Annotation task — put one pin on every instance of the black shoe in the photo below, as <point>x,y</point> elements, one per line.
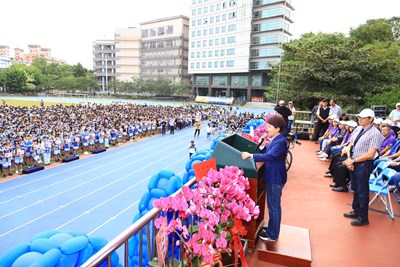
<point>359,222</point>
<point>333,185</point>
<point>339,189</point>
<point>350,214</point>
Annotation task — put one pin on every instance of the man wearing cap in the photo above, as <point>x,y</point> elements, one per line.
<point>363,148</point>
<point>284,111</point>
<point>394,116</point>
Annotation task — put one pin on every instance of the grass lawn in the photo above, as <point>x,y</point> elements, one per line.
<point>31,103</point>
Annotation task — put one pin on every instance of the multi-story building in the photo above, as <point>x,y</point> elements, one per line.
<point>233,44</point>
<point>164,49</point>
<point>104,62</point>
<point>127,53</point>
<point>5,58</point>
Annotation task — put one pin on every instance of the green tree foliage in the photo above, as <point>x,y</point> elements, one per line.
<point>20,78</point>
<point>349,69</point>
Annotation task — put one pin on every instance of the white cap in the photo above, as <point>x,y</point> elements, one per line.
<point>378,121</point>
<point>343,122</point>
<point>352,124</point>
<point>336,119</point>
<point>290,102</point>
<point>281,102</point>
<point>332,117</point>
<point>365,113</point>
<point>388,122</point>
<point>398,104</point>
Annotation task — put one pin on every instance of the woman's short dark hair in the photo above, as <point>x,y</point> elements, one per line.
<point>278,122</point>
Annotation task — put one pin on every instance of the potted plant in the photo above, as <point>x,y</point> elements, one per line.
<point>206,219</point>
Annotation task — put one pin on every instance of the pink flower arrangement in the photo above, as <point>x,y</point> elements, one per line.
<point>204,214</point>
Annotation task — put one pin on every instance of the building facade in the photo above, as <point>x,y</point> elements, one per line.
<point>5,58</point>
<point>233,43</point>
<point>127,53</point>
<point>164,49</point>
<point>104,62</point>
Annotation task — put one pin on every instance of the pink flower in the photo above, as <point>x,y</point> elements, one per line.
<point>221,241</point>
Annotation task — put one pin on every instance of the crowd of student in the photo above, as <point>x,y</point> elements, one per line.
<point>40,135</point>
<point>333,133</point>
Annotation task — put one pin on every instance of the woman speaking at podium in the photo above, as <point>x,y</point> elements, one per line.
<point>275,174</point>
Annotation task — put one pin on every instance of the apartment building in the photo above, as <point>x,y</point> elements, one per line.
<point>5,58</point>
<point>127,53</point>
<point>164,49</point>
<point>104,62</point>
<point>233,43</point>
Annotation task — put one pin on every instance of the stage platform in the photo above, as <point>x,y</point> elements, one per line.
<point>293,248</point>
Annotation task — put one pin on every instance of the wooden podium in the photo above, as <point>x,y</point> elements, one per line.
<point>257,194</point>
<point>228,151</point>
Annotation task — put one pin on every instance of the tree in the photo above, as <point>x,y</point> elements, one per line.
<point>374,30</point>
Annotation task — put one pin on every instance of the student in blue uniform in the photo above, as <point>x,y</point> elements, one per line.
<point>192,148</point>
<point>18,158</point>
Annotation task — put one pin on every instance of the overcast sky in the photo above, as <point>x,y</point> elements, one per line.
<point>68,28</point>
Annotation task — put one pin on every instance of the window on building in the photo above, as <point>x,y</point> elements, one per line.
<point>232,15</point>
<point>204,43</point>
<point>239,80</point>
<point>205,32</point>
<point>218,6</point>
<point>210,42</point>
<point>193,2</point>
<point>216,53</point>
<point>230,63</point>
<point>217,18</point>
<point>231,40</point>
<point>217,30</point>
<point>198,32</point>
<point>194,22</point>
<point>256,79</point>
<point>202,80</point>
<point>145,33</point>
<point>160,31</point>
<point>204,54</point>
<point>205,10</point>
<point>231,27</point>
<point>210,64</point>
<point>198,65</point>
<point>170,29</point>
<point>209,53</point>
<point>198,54</point>
<point>203,65</point>
<point>153,32</point>
<point>198,22</point>
<point>205,20</point>
<point>216,41</point>
<point>222,41</point>
<point>193,45</point>
<point>221,64</point>
<point>198,43</point>
<point>192,55</point>
<point>218,80</point>
<point>223,17</point>
<point>232,3</point>
<point>212,8</point>
<point>230,51</point>
<point>211,31</point>
<point>224,5</point>
<point>193,34</point>
<point>223,28</point>
<point>215,64</point>
<point>199,11</point>
<point>211,19</point>
<point>193,12</point>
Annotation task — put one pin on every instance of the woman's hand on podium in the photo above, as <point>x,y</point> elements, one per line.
<point>246,155</point>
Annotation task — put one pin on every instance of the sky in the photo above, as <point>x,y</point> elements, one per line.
<point>69,28</point>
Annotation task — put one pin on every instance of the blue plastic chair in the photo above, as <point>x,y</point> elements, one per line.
<point>381,190</point>
<point>376,174</point>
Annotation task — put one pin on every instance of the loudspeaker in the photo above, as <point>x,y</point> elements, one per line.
<point>32,169</point>
<point>65,160</point>
<point>98,150</point>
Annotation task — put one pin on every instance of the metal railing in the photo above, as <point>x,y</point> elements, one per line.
<point>123,239</point>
